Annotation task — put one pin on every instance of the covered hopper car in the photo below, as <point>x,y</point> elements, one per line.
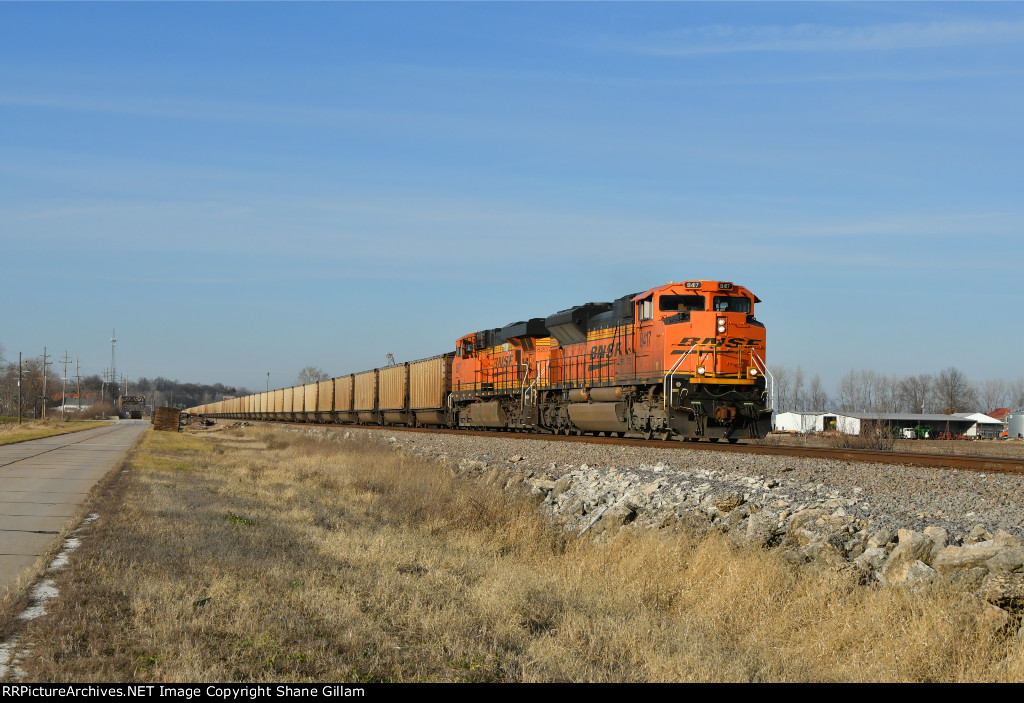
<point>683,359</point>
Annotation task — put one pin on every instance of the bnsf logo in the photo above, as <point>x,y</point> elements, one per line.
<point>601,351</point>
<point>730,342</point>
<point>504,361</point>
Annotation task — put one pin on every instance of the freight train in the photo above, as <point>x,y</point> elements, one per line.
<point>680,360</point>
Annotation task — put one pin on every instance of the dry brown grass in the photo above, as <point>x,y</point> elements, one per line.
<point>958,447</point>
<point>872,435</point>
<point>258,555</point>
<point>37,429</point>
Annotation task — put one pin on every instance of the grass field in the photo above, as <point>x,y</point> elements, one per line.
<point>262,556</point>
<point>11,431</point>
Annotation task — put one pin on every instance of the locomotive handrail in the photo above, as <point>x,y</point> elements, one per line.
<point>536,380</point>
<point>771,380</point>
<point>669,378</point>
<point>522,386</point>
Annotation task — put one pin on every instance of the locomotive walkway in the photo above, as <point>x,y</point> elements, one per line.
<point>43,484</point>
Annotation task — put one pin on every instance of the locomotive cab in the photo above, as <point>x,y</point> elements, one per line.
<point>712,358</point>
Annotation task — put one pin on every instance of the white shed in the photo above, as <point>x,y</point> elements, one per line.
<point>797,422</point>
<point>984,426</point>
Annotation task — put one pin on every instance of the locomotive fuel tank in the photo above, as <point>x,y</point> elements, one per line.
<point>599,417</point>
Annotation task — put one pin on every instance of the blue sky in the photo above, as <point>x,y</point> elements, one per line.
<point>244,188</point>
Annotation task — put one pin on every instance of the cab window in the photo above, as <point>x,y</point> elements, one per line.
<point>728,303</point>
<point>681,303</point>
<point>645,309</point>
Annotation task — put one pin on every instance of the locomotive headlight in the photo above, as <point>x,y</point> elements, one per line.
<point>753,372</point>
<point>721,325</point>
<point>701,370</point>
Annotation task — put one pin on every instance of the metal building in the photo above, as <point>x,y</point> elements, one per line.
<point>985,427</point>
<point>1015,423</point>
<point>797,422</point>
<point>930,425</point>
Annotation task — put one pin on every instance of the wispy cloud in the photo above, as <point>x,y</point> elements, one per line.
<point>389,234</point>
<point>725,39</point>
<point>192,109</point>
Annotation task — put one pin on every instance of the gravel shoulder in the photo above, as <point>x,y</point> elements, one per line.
<point>883,496</point>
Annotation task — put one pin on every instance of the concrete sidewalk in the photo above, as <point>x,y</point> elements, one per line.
<point>43,484</point>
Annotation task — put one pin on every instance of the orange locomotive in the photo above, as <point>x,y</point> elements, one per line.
<point>682,359</point>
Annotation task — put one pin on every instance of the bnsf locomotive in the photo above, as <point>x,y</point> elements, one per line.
<point>683,359</point>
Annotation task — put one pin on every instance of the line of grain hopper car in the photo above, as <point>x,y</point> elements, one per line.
<point>683,359</point>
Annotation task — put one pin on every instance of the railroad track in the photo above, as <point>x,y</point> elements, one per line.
<point>985,464</point>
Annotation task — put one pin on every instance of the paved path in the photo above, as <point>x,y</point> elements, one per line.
<point>43,484</point>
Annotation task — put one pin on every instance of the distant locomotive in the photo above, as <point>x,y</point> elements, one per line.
<point>683,359</point>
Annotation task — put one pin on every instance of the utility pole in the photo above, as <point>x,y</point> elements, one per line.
<point>64,388</point>
<point>78,387</point>
<point>103,395</point>
<point>19,388</point>
<point>113,366</point>
<point>268,381</point>
<point>45,363</point>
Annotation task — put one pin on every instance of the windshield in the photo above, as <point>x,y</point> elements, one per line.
<point>681,303</point>
<point>732,303</point>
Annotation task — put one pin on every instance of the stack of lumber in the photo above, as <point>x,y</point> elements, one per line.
<point>166,419</point>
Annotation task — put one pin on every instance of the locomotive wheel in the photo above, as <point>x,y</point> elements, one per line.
<point>665,436</point>
<point>712,439</point>
<point>620,434</point>
<point>648,434</point>
<point>734,440</point>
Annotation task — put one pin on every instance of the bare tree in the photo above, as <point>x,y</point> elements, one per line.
<point>848,392</point>
<point>781,385</point>
<point>817,398</point>
<point>992,393</point>
<point>857,391</point>
<point>915,393</point>
<point>312,374</point>
<point>885,396</point>
<point>1016,394</point>
<point>31,386</point>
<point>954,392</point>
<point>8,389</point>
<point>799,400</point>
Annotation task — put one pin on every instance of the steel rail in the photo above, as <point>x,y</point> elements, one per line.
<point>986,464</point>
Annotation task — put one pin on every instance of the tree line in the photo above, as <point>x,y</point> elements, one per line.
<point>95,390</point>
<point>866,391</point>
